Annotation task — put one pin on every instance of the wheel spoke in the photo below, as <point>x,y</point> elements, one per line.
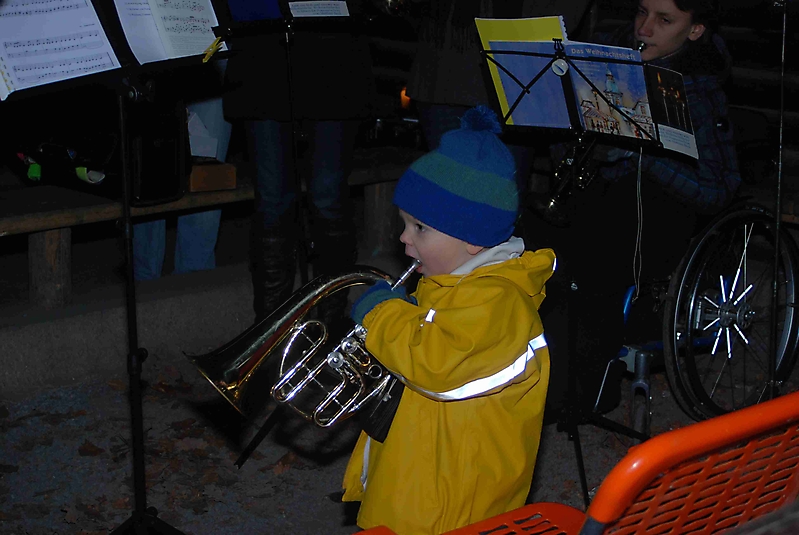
<point>729,343</point>
<point>732,379</point>
<point>716,342</point>
<point>721,372</point>
<point>743,294</point>
<point>740,333</point>
<point>762,392</point>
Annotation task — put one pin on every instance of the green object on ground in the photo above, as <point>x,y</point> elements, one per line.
<point>35,172</point>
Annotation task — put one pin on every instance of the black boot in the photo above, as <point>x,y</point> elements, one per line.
<point>333,251</point>
<point>273,262</point>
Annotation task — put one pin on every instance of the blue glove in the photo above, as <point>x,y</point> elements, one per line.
<point>372,297</point>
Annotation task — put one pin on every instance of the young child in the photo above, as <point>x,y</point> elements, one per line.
<point>470,348</point>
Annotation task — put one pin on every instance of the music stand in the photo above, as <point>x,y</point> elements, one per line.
<point>574,413</point>
<point>143,519</point>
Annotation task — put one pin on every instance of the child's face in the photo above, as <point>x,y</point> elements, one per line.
<point>663,27</point>
<point>439,252</point>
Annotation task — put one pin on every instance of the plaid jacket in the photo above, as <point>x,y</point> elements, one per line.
<point>710,183</point>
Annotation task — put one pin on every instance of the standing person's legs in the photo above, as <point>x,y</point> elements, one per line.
<point>332,146</point>
<point>273,237</point>
<point>197,232</point>
<point>196,240</point>
<point>149,245</point>
<point>332,227</point>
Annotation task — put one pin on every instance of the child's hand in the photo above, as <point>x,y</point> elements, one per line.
<point>375,295</point>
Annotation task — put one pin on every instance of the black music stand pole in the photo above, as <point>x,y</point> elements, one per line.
<point>574,413</point>
<point>143,520</point>
<point>302,227</point>
<point>772,361</point>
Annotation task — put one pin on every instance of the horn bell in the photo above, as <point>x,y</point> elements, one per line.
<point>232,368</point>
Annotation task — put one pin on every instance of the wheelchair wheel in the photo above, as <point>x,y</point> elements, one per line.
<point>718,316</point>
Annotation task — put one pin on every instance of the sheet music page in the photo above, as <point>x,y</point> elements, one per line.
<point>670,111</point>
<point>45,41</point>
<point>622,84</point>
<point>184,25</point>
<point>518,71</point>
<point>317,8</point>
<point>140,30</point>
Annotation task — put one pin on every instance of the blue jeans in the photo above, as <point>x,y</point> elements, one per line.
<point>196,233</point>
<point>438,119</point>
<point>330,157</point>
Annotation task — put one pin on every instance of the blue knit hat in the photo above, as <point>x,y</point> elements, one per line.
<point>466,187</point>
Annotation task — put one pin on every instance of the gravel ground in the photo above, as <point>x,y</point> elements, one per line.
<point>65,460</point>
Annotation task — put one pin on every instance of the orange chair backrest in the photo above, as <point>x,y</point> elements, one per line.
<point>706,477</point>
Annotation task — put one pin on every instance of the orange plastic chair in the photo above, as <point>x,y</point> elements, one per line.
<point>534,519</point>
<point>704,478</point>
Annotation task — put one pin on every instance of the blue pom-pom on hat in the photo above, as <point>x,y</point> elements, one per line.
<point>481,118</point>
<point>466,187</point>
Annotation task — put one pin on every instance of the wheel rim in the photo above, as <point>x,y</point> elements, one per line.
<point>726,317</point>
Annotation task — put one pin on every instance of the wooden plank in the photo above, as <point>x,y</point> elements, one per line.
<point>196,200</point>
<point>49,267</point>
<point>33,209</point>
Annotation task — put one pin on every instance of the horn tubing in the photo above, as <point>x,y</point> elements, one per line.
<point>230,367</point>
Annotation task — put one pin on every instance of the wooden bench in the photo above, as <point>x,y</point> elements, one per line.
<point>48,213</point>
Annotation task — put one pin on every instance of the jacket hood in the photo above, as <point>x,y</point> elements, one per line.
<point>526,269</point>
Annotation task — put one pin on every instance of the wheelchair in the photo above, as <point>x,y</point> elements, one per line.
<point>720,324</point>
<point>719,329</point>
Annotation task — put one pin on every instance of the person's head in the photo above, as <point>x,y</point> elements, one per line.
<point>664,26</point>
<point>459,198</point>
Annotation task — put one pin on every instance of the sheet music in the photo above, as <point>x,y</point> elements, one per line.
<point>140,30</point>
<point>319,8</point>
<point>184,25</point>
<point>44,41</point>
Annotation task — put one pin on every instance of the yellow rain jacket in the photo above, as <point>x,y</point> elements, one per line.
<point>463,443</point>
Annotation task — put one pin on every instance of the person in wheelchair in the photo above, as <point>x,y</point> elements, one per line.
<point>622,234</point>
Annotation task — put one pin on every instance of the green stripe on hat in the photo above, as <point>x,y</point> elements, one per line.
<point>473,184</point>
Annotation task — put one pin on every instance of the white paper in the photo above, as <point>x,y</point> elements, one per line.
<point>200,140</point>
<point>678,140</point>
<point>184,25</point>
<point>48,41</point>
<point>140,30</point>
<point>319,9</point>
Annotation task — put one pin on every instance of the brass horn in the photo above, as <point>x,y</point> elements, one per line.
<point>575,171</point>
<point>345,377</point>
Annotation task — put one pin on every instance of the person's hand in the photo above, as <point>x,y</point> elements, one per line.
<point>375,295</point>
<point>609,153</point>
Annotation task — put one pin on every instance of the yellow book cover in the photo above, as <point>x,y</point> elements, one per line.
<point>506,31</point>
